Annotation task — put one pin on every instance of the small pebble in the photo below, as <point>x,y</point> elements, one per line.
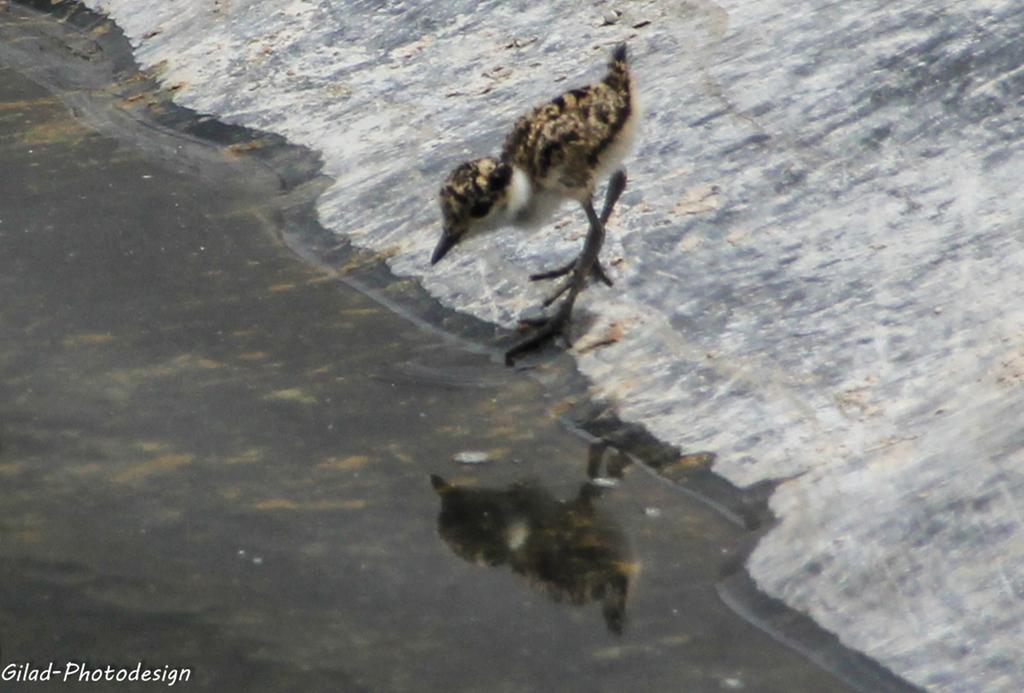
<point>472,457</point>
<point>652,512</point>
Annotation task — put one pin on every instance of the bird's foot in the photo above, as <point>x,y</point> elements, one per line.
<point>545,328</point>
<point>597,270</point>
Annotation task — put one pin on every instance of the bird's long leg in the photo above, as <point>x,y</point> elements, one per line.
<point>554,325</point>
<point>616,184</point>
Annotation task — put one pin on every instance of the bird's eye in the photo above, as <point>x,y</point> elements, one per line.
<point>500,176</point>
<point>479,209</point>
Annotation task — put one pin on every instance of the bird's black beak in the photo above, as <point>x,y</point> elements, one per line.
<point>443,246</point>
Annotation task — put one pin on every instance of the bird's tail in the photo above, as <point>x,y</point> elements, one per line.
<point>618,69</point>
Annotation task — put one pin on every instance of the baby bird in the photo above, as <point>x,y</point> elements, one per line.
<point>557,152</point>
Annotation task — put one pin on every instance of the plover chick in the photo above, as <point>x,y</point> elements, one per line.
<point>555,153</point>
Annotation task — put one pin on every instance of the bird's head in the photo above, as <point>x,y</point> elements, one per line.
<point>477,196</point>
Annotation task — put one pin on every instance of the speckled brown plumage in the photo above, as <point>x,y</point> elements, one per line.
<point>561,144</point>
<point>472,189</point>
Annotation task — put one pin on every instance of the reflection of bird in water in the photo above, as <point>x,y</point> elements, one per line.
<point>557,152</point>
<point>563,548</point>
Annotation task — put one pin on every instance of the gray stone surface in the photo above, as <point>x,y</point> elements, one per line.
<point>819,251</point>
